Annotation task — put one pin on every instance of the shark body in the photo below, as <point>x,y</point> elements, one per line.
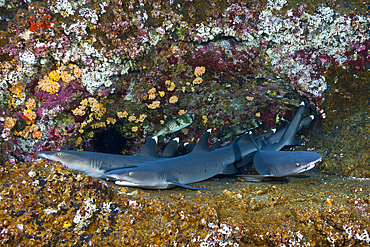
<point>204,162</point>
<point>270,162</point>
<point>150,170</point>
<point>96,164</point>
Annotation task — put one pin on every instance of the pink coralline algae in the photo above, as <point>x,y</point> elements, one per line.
<point>259,60</point>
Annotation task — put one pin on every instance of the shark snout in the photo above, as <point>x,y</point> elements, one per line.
<point>43,156</point>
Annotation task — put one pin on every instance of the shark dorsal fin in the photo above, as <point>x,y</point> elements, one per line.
<point>202,144</point>
<point>189,147</point>
<point>306,121</point>
<point>217,144</point>
<point>149,149</point>
<point>245,139</point>
<point>253,140</point>
<point>171,150</point>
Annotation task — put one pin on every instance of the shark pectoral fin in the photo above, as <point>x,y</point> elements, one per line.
<point>245,161</point>
<point>306,122</point>
<point>184,185</point>
<point>245,139</point>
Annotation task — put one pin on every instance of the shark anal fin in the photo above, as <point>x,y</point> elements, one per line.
<point>184,185</point>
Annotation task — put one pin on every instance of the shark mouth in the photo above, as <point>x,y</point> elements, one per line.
<point>125,183</point>
<point>311,165</point>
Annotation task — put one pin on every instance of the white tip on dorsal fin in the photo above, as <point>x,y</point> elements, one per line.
<point>273,130</point>
<point>209,130</point>
<point>202,144</point>
<point>302,103</point>
<point>312,117</point>
<point>186,143</point>
<point>155,139</point>
<point>177,139</point>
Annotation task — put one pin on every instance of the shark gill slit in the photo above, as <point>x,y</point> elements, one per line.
<point>163,176</point>
<point>96,163</point>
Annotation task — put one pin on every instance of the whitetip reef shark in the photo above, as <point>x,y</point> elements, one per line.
<point>201,163</point>
<point>280,163</point>
<point>96,164</point>
<point>270,162</point>
<point>150,170</point>
<point>204,162</point>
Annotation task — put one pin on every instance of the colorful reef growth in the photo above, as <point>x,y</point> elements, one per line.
<point>93,67</point>
<point>85,74</point>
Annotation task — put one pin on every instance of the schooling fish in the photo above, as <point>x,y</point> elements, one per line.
<point>175,124</point>
<point>96,164</point>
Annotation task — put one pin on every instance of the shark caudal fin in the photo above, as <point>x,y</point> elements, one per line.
<point>149,149</point>
<point>202,144</point>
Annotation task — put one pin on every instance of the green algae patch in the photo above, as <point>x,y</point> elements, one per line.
<point>46,204</point>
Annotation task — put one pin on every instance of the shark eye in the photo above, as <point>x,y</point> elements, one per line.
<point>297,164</point>
<point>59,154</point>
<point>131,174</point>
